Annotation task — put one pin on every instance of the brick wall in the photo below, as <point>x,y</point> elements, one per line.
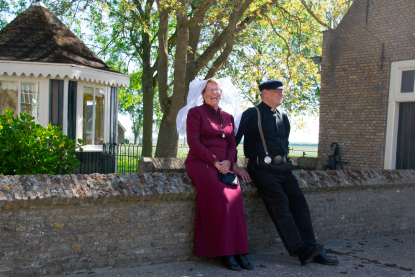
<point>51,224</point>
<point>355,78</point>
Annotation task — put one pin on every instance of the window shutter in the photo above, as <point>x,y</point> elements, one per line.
<point>56,102</point>
<point>113,115</point>
<point>72,93</point>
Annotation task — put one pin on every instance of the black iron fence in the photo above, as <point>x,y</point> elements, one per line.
<point>298,151</point>
<point>123,158</point>
<point>127,157</point>
<point>114,158</point>
<point>90,163</point>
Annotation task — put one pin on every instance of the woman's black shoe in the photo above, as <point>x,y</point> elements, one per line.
<point>243,262</point>
<point>229,262</point>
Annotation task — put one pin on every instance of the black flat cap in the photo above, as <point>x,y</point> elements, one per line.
<point>271,84</point>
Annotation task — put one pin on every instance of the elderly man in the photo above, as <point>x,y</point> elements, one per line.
<point>266,131</point>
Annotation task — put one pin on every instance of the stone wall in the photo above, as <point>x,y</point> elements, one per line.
<point>51,224</point>
<point>355,72</point>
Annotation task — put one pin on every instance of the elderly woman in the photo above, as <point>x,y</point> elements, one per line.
<point>220,227</point>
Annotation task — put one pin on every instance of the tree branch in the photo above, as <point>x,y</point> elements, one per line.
<point>134,41</point>
<point>137,4</point>
<point>180,61</point>
<point>221,59</point>
<point>228,34</point>
<point>194,39</point>
<point>223,38</point>
<point>286,44</point>
<point>162,62</point>
<point>149,4</point>
<point>314,15</point>
<point>172,40</point>
<point>200,13</point>
<point>249,19</point>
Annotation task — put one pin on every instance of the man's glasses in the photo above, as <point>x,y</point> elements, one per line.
<point>214,89</point>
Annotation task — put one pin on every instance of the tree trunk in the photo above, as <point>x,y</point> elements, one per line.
<point>194,37</point>
<point>168,138</point>
<point>185,73</point>
<point>148,99</point>
<point>136,129</point>
<point>163,58</point>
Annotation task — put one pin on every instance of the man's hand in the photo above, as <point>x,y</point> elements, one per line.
<point>224,166</point>
<point>242,172</point>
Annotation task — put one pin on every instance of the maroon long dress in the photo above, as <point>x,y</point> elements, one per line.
<point>220,227</point>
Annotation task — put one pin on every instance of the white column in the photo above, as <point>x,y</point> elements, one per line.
<point>43,101</point>
<point>79,110</point>
<point>65,106</point>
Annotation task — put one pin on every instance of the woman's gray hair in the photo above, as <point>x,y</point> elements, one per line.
<point>212,80</point>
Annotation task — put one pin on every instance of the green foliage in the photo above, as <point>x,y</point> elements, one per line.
<point>276,44</point>
<point>29,148</point>
<point>4,9</point>
<point>279,45</point>
<point>126,140</point>
<point>131,105</point>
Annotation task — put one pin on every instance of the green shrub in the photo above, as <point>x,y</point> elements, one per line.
<point>29,148</point>
<point>126,140</point>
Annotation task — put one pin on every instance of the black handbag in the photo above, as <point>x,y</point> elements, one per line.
<point>228,178</point>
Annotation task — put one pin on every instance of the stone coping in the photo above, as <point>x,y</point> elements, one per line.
<point>146,164</point>
<point>40,190</point>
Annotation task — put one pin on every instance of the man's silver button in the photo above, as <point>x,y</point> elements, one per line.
<point>267,159</point>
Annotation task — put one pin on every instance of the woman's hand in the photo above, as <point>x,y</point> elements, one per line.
<point>242,172</point>
<point>225,165</point>
<point>217,164</point>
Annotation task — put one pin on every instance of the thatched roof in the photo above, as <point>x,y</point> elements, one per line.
<point>37,35</point>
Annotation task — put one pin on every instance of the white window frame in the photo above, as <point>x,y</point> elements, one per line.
<point>79,111</point>
<point>395,98</point>
<point>43,94</point>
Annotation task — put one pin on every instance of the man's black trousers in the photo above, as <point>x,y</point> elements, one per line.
<point>285,203</point>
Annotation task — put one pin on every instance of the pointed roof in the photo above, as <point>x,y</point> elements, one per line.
<point>37,35</point>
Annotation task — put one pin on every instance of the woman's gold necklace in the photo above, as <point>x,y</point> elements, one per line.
<point>220,124</point>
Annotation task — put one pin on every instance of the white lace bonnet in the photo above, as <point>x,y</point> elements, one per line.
<point>229,102</point>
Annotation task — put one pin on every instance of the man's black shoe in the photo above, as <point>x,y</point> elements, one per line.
<point>230,263</point>
<point>243,262</point>
<point>321,258</point>
<point>307,253</point>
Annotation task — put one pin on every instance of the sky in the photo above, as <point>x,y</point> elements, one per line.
<point>306,135</point>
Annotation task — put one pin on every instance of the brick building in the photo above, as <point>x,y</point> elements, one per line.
<point>367,100</point>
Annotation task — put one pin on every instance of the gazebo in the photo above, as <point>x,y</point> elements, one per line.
<point>48,72</point>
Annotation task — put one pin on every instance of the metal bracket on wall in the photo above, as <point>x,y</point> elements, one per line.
<point>382,57</point>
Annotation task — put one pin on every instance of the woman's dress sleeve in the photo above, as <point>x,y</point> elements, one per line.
<point>193,130</point>
<point>231,149</point>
